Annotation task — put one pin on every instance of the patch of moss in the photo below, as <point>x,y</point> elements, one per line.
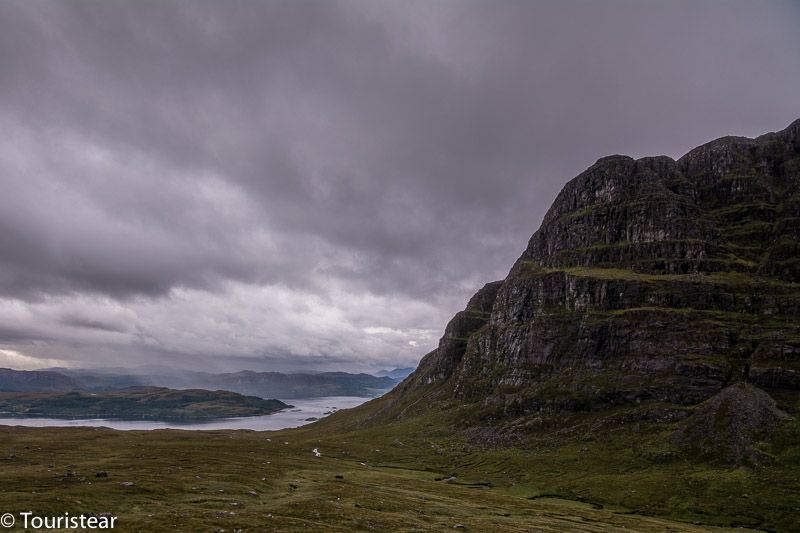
<point>722,278</point>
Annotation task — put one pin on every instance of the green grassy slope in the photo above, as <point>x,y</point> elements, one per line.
<point>248,481</point>
<point>580,472</point>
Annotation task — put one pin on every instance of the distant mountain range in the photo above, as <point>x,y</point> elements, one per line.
<point>278,385</point>
<point>396,373</point>
<point>35,381</point>
<point>261,384</point>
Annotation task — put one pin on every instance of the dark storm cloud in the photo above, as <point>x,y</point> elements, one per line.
<point>405,150</point>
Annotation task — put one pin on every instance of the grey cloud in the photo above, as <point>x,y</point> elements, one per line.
<point>88,323</point>
<point>17,336</point>
<point>398,149</point>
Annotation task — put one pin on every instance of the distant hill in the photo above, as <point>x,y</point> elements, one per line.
<point>396,373</point>
<point>287,386</point>
<point>262,384</point>
<point>35,381</point>
<point>150,403</point>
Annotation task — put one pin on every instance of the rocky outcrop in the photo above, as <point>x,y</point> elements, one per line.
<point>650,280</point>
<point>438,365</point>
<point>727,427</point>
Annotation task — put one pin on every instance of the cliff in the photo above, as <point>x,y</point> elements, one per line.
<point>651,282</point>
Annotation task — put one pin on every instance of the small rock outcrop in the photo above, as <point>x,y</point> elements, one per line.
<point>726,427</point>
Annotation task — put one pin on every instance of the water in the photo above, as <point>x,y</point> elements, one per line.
<point>296,416</point>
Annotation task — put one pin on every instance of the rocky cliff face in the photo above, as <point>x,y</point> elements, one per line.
<point>650,280</point>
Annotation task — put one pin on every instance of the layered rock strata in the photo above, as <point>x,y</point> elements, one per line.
<point>649,280</point>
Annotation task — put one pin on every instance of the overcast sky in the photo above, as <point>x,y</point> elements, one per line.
<point>321,185</point>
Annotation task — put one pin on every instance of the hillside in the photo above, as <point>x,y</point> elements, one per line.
<point>651,282</point>
<point>137,404</point>
<point>35,381</point>
<point>648,337</point>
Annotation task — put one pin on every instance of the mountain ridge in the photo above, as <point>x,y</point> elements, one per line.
<point>264,384</point>
<point>652,285</point>
<point>35,381</point>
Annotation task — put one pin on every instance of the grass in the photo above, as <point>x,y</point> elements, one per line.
<point>735,279</point>
<point>582,472</point>
<point>207,481</point>
<point>724,278</point>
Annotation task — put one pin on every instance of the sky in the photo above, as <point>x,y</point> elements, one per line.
<point>321,185</point>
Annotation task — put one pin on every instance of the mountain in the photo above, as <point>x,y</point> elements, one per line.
<point>262,384</point>
<point>148,403</point>
<point>288,386</point>
<point>652,283</point>
<point>104,379</point>
<point>643,351</point>
<point>35,381</point>
<point>395,373</point>
<point>654,290</point>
